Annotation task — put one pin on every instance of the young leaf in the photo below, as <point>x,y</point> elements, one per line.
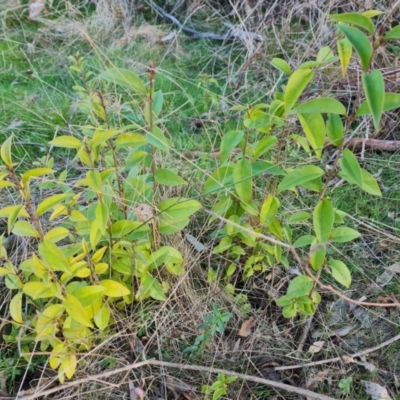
<point>229,141</point>
<point>282,65</point>
<point>372,13</point>
<point>125,78</point>
<point>300,286</point>
<point>394,33</point>
<point>295,87</point>
<point>320,105</point>
<point>345,51</point>
<point>24,228</point>
<point>166,176</point>
<point>391,101</point>
<point>343,234</point>
<point>334,129</point>
<point>374,88</point>
<point>242,175</point>
<point>5,151</point>
<point>350,169</point>
<point>300,176</point>
<point>50,202</point>
<point>16,308</point>
<point>114,289</point>
<point>67,142</point>
<point>356,19</point>
<point>360,42</point>
<point>269,209</point>
<point>314,128</point>
<point>323,218</point>
<point>340,272</point>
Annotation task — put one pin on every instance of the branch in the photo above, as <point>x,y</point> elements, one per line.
<point>164,364</point>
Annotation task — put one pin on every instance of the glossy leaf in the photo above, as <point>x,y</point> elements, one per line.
<point>340,272</point>
<point>50,202</point>
<point>356,19</point>
<point>320,105</point>
<point>125,78</point>
<point>391,101</point>
<point>314,129</point>
<point>394,33</point>
<point>15,308</point>
<point>300,286</point>
<point>114,289</point>
<point>298,81</point>
<point>374,88</point>
<point>24,228</point>
<point>168,177</point>
<point>345,50</point>
<point>323,218</point>
<point>67,142</point>
<point>5,151</point>
<point>242,175</point>
<point>300,176</point>
<point>360,42</point>
<point>334,129</point>
<point>282,65</point>
<point>343,234</point>
<point>228,143</point>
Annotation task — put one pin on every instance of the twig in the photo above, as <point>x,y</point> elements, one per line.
<point>336,359</point>
<point>164,364</point>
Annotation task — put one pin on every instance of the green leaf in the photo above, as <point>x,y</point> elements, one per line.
<point>320,105</point>
<point>304,240</point>
<point>356,19</point>
<point>350,169</point>
<point>299,216</point>
<point>323,218</point>
<point>150,287</point>
<point>125,78</point>
<point>345,50</point>
<point>369,184</point>
<point>158,100</point>
<point>229,141</point>
<point>360,42</point>
<point>76,311</point>
<point>102,217</point>
<point>374,88</point>
<point>372,13</point>
<point>67,142</point>
<point>5,151</point>
<point>317,255</point>
<point>334,129</point>
<point>242,175</point>
<point>163,255</point>
<point>15,308</point>
<point>102,318</point>
<point>35,173</point>
<point>13,217</point>
<point>158,140</point>
<point>391,101</point>
<point>269,209</point>
<point>50,202</point>
<point>53,256</point>
<point>325,54</point>
<point>101,136</point>
<point>340,272</point>
<point>300,176</point>
<point>87,295</point>
<point>114,289</point>
<point>37,290</point>
<point>56,234</point>
<point>24,228</point>
<point>166,176</point>
<point>265,167</point>
<point>300,286</point>
<point>264,145</point>
<point>122,228</point>
<point>130,139</point>
<point>314,128</point>
<point>93,178</point>
<point>394,33</point>
<point>282,65</point>
<point>295,87</point>
<point>289,311</point>
<point>343,234</point>
<point>220,179</point>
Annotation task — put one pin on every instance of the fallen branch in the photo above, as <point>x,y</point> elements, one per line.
<point>336,359</point>
<point>372,144</point>
<point>164,364</point>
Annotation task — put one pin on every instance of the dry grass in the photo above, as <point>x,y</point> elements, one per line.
<point>294,30</point>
